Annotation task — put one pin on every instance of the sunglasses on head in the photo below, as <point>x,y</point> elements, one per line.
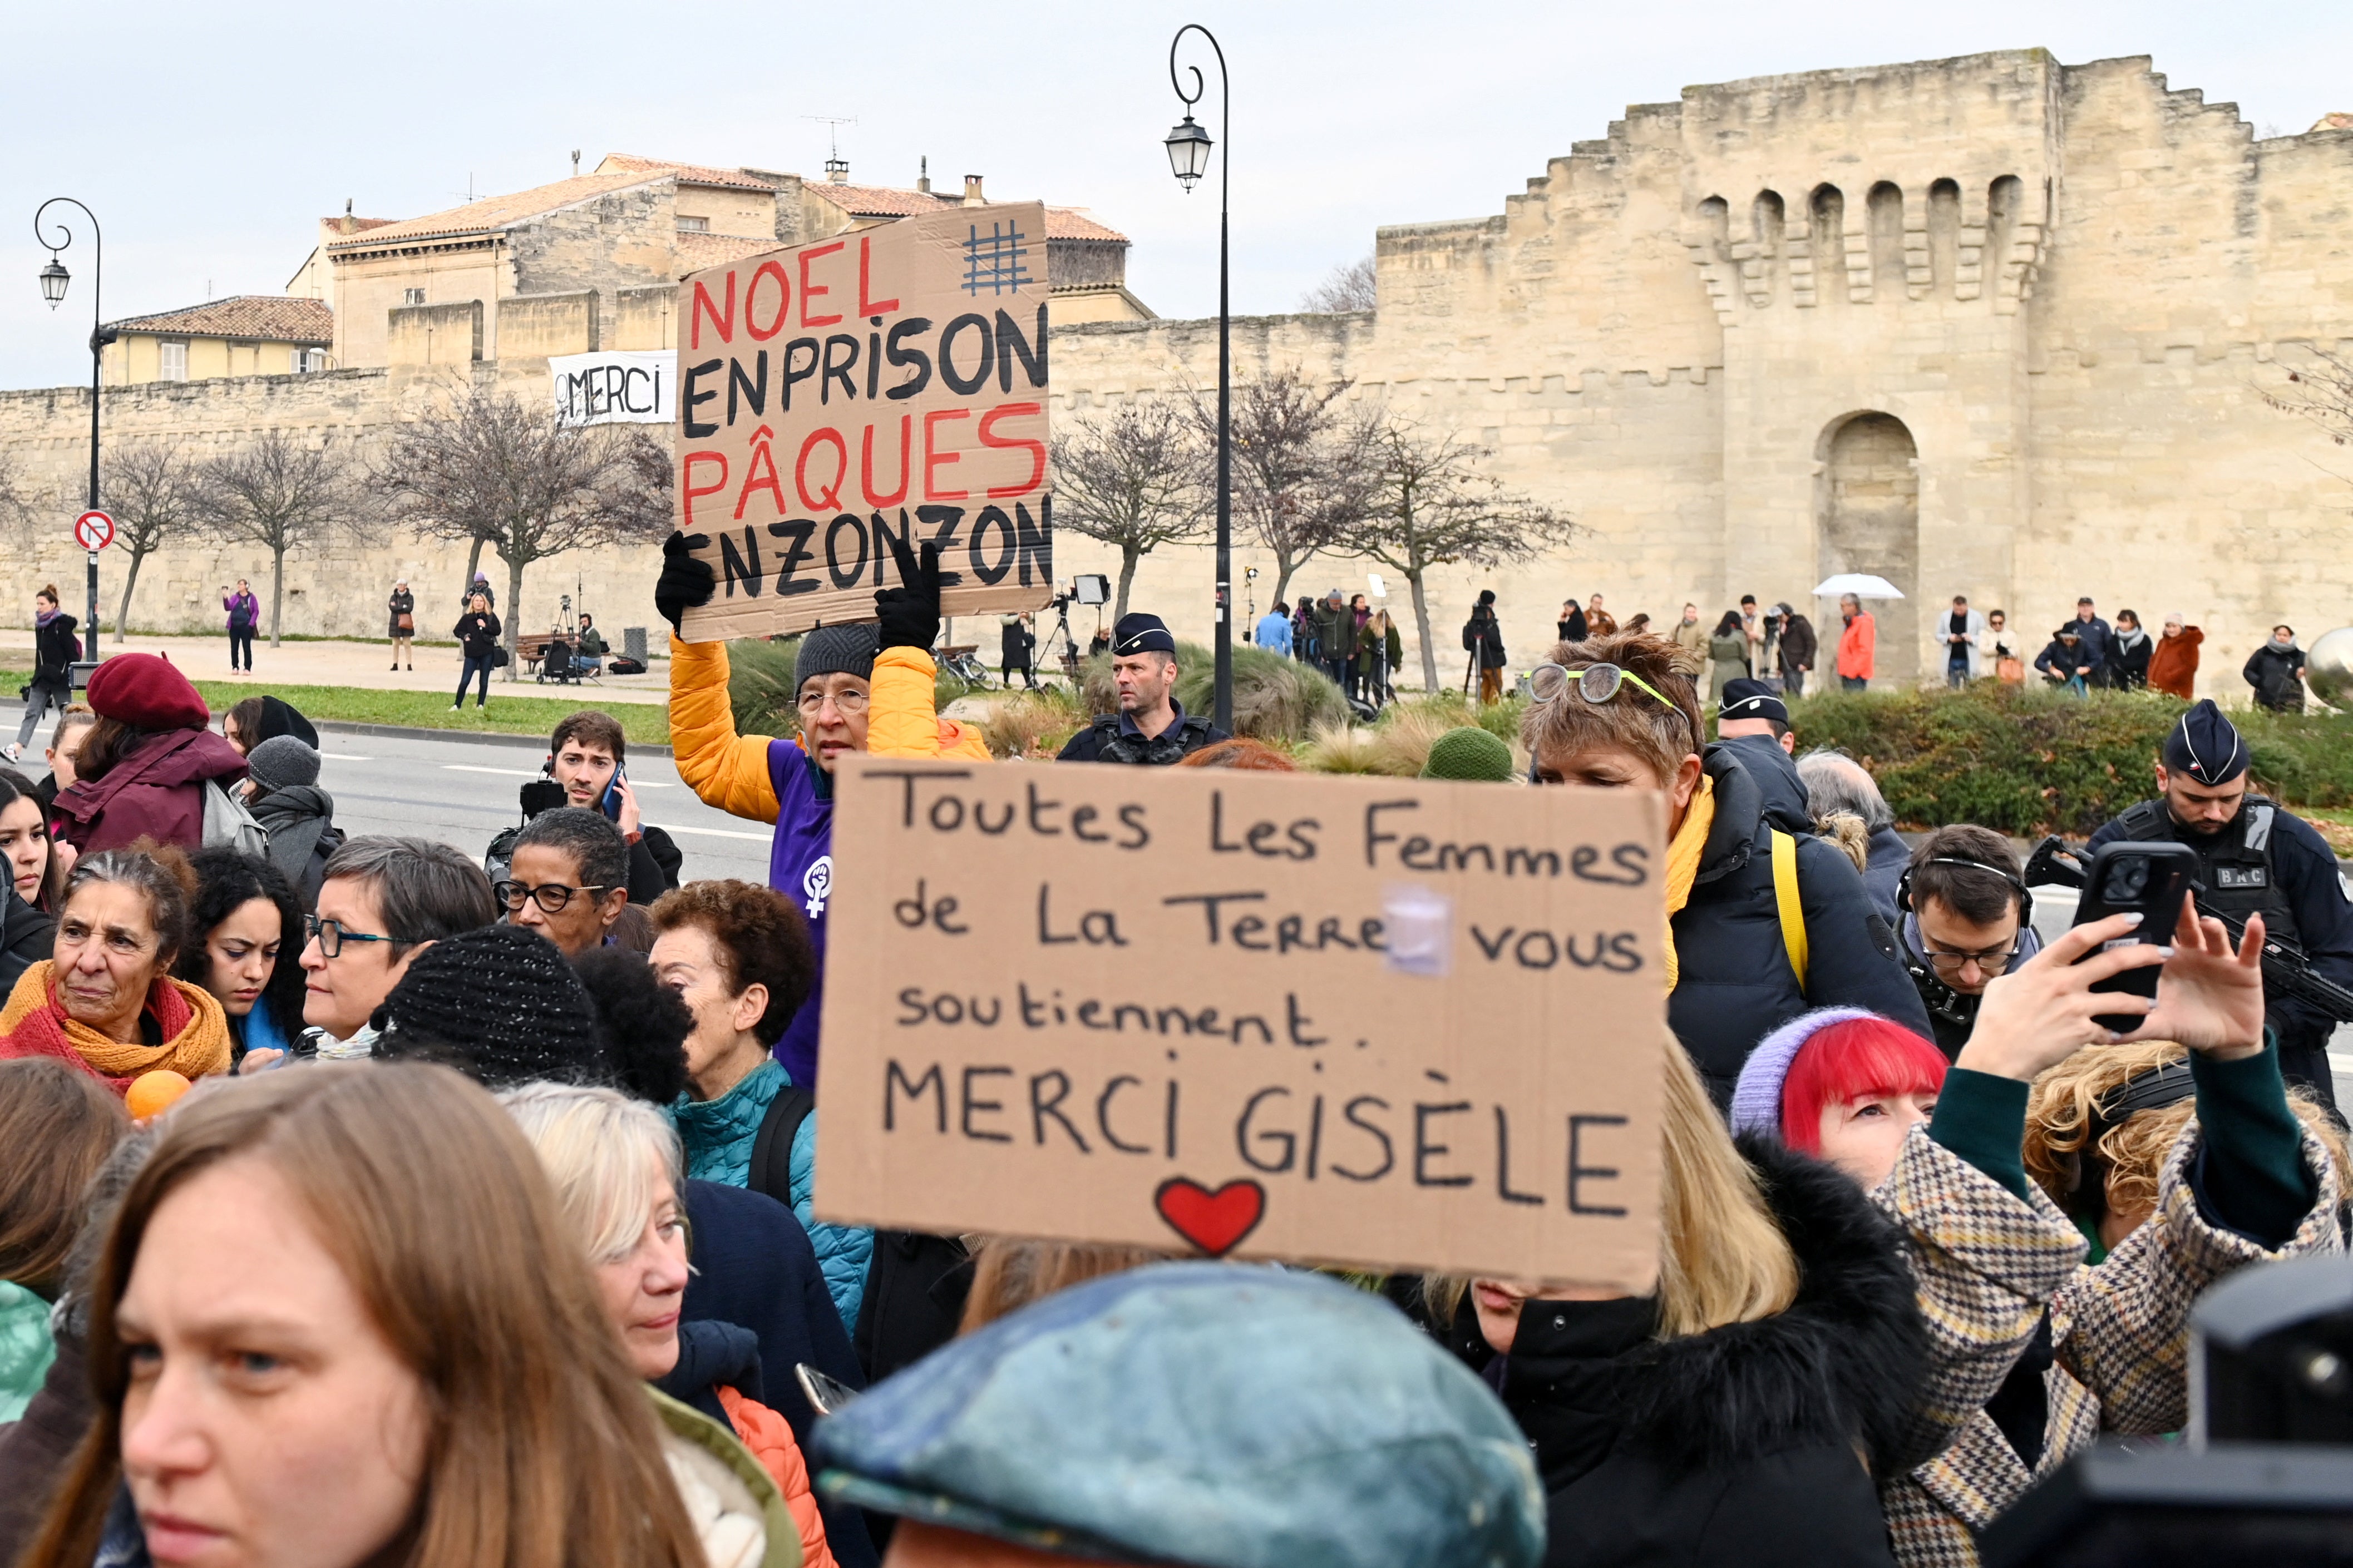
<point>1596,684</point>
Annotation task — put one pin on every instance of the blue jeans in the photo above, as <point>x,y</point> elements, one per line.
<point>1956,675</point>
<point>468,674</point>
<point>1854,682</point>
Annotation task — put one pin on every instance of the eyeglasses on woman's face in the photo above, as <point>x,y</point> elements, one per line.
<point>550,897</point>
<point>330,935</point>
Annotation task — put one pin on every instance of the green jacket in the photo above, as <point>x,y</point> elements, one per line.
<point>26,1347</point>
<point>1335,632</point>
<point>699,1447</point>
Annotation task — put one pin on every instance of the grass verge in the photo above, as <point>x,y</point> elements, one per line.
<point>646,723</point>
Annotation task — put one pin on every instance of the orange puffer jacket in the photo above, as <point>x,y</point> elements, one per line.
<point>769,1436</point>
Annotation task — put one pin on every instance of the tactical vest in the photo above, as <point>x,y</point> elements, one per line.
<point>1113,744</point>
<point>2234,865</point>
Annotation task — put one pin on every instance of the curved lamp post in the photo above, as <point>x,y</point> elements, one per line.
<point>1189,157</point>
<point>55,279</point>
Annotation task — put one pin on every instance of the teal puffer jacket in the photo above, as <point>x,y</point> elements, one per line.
<point>26,1347</point>
<point>718,1135</point>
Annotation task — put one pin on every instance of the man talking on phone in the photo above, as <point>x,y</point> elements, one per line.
<point>2255,857</point>
<point>587,758</point>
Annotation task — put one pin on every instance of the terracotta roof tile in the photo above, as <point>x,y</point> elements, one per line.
<point>877,201</point>
<point>270,317</point>
<point>694,252</point>
<point>493,213</point>
<point>688,173</point>
<point>359,225</point>
<point>1077,223</point>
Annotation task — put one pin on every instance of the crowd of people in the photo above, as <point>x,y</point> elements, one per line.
<point>485,1233</point>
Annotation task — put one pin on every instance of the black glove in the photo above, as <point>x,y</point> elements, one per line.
<point>910,613</point>
<point>684,582</point>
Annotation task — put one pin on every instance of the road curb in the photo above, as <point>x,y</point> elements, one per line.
<point>488,737</point>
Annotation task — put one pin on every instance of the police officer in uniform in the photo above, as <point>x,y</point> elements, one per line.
<point>1753,723</point>
<point>1151,727</point>
<point>2254,858</point>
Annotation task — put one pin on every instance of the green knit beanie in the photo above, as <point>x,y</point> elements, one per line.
<point>1469,754</point>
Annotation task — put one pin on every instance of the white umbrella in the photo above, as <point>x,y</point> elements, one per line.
<point>1862,585</point>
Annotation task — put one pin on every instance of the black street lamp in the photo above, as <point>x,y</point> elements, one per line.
<point>1189,157</point>
<point>54,281</point>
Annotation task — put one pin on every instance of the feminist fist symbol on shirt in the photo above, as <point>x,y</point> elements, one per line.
<point>818,883</point>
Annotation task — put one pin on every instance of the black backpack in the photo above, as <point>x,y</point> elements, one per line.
<point>770,1170</point>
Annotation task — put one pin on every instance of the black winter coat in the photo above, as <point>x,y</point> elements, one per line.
<point>1104,742</point>
<point>1482,634</point>
<point>27,936</point>
<point>1798,645</point>
<point>2128,667</point>
<point>54,647</point>
<point>915,1290</point>
<point>1015,641</point>
<point>2272,674</point>
<point>1776,776</point>
<point>1573,629</point>
<point>1735,984</point>
<point>1746,1445</point>
<point>479,631</point>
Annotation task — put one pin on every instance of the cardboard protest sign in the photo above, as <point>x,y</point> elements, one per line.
<point>884,384</point>
<point>1386,1024</point>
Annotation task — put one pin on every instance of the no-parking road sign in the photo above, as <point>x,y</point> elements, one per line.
<point>94,530</point>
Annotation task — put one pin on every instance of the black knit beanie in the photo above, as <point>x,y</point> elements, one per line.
<point>836,650</point>
<point>499,1003</point>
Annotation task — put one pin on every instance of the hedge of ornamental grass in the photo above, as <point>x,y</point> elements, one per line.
<point>2031,761</point>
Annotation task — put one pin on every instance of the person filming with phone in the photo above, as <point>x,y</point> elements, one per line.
<point>587,765</point>
<point>2253,858</point>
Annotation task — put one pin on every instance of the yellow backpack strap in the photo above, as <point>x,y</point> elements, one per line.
<point>1785,898</point>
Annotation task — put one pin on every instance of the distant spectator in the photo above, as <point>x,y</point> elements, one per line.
<point>1336,639</point>
<point>401,623</point>
<point>1016,645</point>
<point>2095,636</point>
<point>244,614</point>
<point>55,649</point>
<point>1688,634</point>
<point>142,770</point>
<point>1571,625</point>
<point>1798,651</point>
<point>1598,622</point>
<point>1858,648</point>
<point>1273,632</point>
<point>1728,653</point>
<point>1962,627</point>
<point>2129,652</point>
<point>2276,672</point>
<point>1482,640</point>
<point>1639,624</point>
<point>588,649</point>
<point>1380,655</point>
<point>477,632</point>
<point>2173,665</point>
<point>2061,663</point>
<point>1836,782</point>
<point>1997,656</point>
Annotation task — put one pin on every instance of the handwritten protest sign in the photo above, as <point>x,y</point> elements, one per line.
<point>886,384</point>
<point>1378,1023</point>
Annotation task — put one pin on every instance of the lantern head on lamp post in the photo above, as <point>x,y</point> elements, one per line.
<point>1188,154</point>
<point>54,281</point>
<point>54,278</point>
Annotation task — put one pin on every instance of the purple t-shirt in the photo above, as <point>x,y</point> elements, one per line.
<point>800,867</point>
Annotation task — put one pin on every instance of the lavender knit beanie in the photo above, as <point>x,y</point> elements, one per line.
<point>1757,1097</point>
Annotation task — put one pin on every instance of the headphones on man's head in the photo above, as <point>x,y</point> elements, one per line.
<point>2025,895</point>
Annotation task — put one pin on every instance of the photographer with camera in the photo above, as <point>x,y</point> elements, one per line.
<point>2253,858</point>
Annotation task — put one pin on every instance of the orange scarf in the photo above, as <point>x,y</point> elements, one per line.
<point>195,1031</point>
<point>1683,864</point>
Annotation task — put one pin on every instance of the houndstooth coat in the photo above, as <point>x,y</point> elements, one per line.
<point>1988,1265</point>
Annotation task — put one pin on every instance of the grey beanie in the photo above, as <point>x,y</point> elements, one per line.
<point>836,650</point>
<point>282,762</point>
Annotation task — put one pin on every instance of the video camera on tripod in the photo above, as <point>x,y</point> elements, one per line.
<point>1086,588</point>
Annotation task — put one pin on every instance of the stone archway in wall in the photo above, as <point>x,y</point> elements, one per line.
<point>1868,520</point>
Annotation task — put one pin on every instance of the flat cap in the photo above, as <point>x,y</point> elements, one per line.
<point>1203,1414</point>
<point>2205,746</point>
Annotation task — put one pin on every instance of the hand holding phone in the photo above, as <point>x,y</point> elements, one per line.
<point>620,804</point>
<point>2151,880</point>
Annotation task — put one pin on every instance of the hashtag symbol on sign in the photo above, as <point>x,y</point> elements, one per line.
<point>995,260</point>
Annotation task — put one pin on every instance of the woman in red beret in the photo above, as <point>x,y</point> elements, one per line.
<point>143,767</point>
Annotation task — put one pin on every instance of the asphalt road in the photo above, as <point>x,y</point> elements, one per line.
<point>463,791</point>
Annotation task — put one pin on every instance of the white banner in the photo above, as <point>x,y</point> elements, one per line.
<point>614,388</point>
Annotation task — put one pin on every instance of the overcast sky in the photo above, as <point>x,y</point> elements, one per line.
<point>211,138</point>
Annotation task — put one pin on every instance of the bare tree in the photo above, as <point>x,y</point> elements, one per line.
<point>1136,480</point>
<point>494,471</point>
<point>2324,393</point>
<point>154,494</point>
<point>280,495</point>
<point>1349,286</point>
<point>1303,464</point>
<point>1434,507</point>
<point>21,498</point>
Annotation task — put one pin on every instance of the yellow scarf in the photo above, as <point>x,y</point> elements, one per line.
<point>1683,864</point>
<point>200,1047</point>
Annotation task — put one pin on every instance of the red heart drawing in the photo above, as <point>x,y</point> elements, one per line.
<point>1215,1221</point>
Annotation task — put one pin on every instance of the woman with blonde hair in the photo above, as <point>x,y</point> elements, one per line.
<point>338,1319</point>
<point>1743,1411</point>
<point>1762,924</point>
<point>615,1163</point>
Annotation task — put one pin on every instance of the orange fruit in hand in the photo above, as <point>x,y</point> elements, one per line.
<point>153,1093</point>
